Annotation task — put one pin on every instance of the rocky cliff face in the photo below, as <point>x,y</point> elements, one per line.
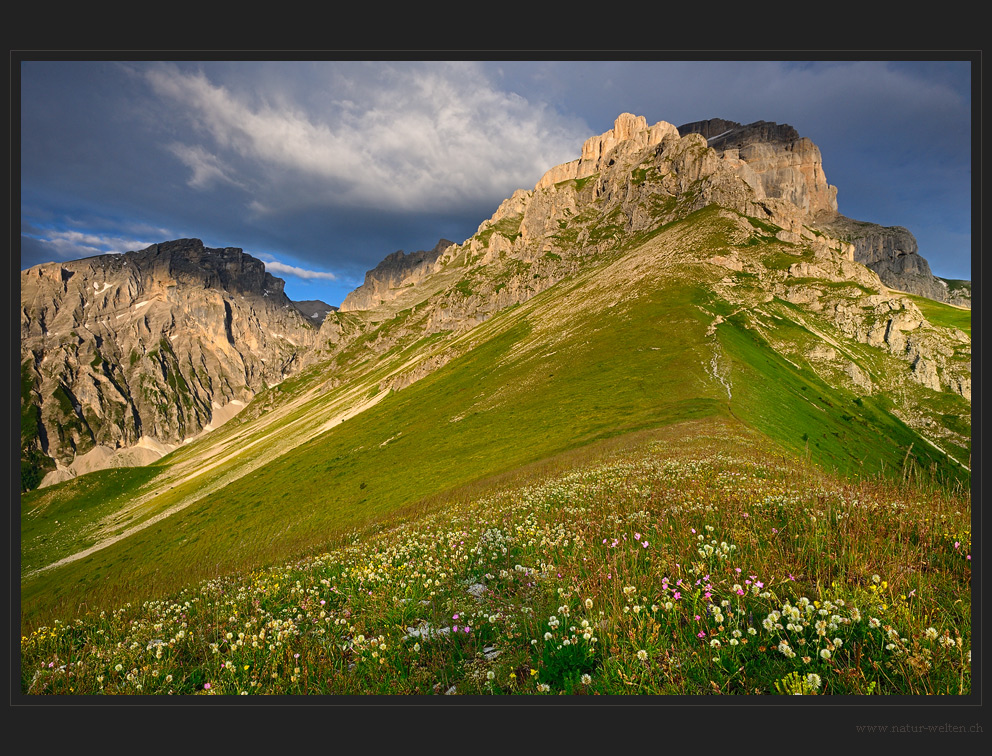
<point>394,273</point>
<point>785,165</point>
<point>789,167</point>
<point>892,252</point>
<point>126,356</point>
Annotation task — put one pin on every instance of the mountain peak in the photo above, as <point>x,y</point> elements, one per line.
<point>228,268</point>
<point>721,134</point>
<point>125,350</point>
<point>396,271</point>
<point>628,130</point>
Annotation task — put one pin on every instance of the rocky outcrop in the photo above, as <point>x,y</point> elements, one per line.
<point>146,347</point>
<point>896,325</point>
<point>630,134</point>
<point>397,271</point>
<point>653,174</point>
<point>892,252</point>
<point>785,165</point>
<point>958,292</point>
<point>789,167</point>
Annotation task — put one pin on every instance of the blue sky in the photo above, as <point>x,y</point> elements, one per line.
<point>322,168</point>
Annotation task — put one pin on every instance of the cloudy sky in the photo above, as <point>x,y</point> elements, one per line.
<point>323,168</point>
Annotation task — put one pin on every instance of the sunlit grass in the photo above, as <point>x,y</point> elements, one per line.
<point>941,314</point>
<point>690,567</point>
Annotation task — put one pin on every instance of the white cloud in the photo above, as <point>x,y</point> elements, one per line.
<point>276,267</point>
<point>207,169</point>
<point>424,135</point>
<point>72,245</point>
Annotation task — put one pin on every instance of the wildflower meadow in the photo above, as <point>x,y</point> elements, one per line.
<point>662,570</point>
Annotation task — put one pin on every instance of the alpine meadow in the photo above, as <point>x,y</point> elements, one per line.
<point>667,423</point>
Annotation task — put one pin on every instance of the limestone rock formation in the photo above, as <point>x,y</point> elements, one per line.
<point>958,292</point>
<point>786,166</point>
<point>893,253</point>
<point>141,350</point>
<point>789,167</point>
<point>396,271</point>
<point>630,133</point>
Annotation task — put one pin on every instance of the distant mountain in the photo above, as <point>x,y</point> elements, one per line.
<point>397,271</point>
<point>314,310</point>
<point>124,357</point>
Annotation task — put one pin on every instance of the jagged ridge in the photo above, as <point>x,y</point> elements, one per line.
<point>633,180</point>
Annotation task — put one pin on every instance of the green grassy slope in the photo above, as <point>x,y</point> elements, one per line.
<point>685,561</point>
<point>510,401</point>
<point>839,430</point>
<point>942,314</point>
<point>619,349</point>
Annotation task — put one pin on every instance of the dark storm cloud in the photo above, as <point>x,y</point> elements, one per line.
<point>328,167</point>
